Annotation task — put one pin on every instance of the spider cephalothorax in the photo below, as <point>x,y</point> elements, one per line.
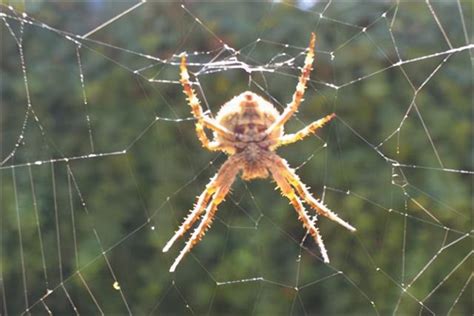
<point>249,129</point>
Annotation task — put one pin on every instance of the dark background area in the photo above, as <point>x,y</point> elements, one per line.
<point>87,233</point>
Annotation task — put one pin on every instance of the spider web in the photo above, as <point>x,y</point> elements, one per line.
<point>100,162</point>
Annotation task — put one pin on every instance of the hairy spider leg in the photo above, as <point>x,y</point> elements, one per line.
<point>196,110</point>
<point>194,214</point>
<point>225,177</point>
<point>202,201</point>
<point>286,171</point>
<point>292,107</point>
<point>289,193</point>
<point>306,131</point>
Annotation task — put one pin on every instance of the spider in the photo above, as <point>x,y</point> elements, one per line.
<point>249,129</point>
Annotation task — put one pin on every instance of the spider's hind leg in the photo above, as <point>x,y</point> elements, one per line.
<point>202,120</point>
<point>292,107</point>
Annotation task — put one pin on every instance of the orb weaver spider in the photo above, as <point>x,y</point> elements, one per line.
<point>249,129</point>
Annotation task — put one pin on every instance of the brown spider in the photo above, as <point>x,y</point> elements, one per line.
<point>249,129</point>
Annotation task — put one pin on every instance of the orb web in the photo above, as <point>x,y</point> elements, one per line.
<point>100,163</point>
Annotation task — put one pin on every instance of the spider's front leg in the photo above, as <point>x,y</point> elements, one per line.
<point>201,229</point>
<point>303,192</point>
<point>292,107</point>
<point>193,216</point>
<point>218,188</point>
<point>288,191</point>
<point>196,110</point>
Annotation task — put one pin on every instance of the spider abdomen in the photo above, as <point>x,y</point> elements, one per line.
<point>248,116</point>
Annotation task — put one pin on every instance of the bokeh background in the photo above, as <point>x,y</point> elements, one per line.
<point>85,235</point>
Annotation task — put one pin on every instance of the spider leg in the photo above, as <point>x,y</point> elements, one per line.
<point>224,179</point>
<point>196,109</point>
<point>303,192</point>
<point>300,89</point>
<point>288,191</point>
<point>193,216</point>
<point>308,130</point>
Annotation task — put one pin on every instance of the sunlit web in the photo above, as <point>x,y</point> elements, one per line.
<point>61,252</point>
